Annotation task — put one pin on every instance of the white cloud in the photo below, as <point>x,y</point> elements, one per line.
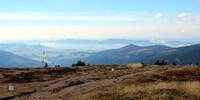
<point>47,44</point>
<point>189,18</point>
<point>158,41</point>
<point>183,15</point>
<point>48,32</point>
<point>53,32</point>
<point>143,28</point>
<point>158,15</point>
<point>38,32</point>
<point>183,31</point>
<point>35,16</point>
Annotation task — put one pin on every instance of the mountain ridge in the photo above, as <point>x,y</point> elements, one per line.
<point>8,59</point>
<point>147,54</point>
<point>127,54</point>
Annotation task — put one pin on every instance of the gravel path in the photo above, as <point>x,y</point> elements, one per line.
<point>69,88</point>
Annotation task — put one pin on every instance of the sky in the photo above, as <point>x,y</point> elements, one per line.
<point>99,19</point>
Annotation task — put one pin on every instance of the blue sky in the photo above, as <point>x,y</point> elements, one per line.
<point>100,6</point>
<point>99,19</point>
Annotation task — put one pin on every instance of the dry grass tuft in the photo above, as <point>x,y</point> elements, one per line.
<point>181,74</point>
<point>153,83</point>
<point>135,65</point>
<point>187,88</point>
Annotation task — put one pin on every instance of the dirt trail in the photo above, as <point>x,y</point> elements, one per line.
<point>69,88</point>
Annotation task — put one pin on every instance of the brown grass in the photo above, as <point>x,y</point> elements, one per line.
<point>191,88</point>
<point>21,88</point>
<point>29,79</point>
<point>135,65</point>
<point>155,91</point>
<point>153,83</point>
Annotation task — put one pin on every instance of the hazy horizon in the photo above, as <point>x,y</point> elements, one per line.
<point>99,49</point>
<point>92,45</point>
<point>99,19</point>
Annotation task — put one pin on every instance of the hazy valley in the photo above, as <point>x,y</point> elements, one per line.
<point>119,52</point>
<point>100,50</point>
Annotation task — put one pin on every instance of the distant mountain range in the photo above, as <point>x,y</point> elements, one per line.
<point>8,59</point>
<point>122,41</point>
<point>35,52</point>
<point>182,55</point>
<point>148,54</point>
<point>98,45</point>
<point>30,53</point>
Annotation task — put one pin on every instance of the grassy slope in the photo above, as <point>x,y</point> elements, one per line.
<point>130,82</point>
<point>153,83</point>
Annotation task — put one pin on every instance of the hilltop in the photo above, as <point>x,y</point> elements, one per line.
<point>146,54</point>
<point>126,82</point>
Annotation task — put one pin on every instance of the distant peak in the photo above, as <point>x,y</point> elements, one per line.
<point>131,46</point>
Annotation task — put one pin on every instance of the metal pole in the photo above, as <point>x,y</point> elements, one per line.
<point>43,58</point>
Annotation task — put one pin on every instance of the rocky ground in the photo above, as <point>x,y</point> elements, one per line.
<point>125,82</point>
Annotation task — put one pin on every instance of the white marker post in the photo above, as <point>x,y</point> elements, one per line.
<point>11,87</point>
<point>113,70</point>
